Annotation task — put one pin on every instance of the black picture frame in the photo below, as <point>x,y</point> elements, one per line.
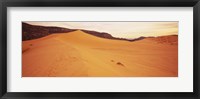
<point>98,3</point>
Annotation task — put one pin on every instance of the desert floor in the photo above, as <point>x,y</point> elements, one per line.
<point>78,54</point>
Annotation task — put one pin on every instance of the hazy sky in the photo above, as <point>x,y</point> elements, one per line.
<point>120,29</point>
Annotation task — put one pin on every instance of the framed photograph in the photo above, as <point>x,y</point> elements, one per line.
<point>140,49</point>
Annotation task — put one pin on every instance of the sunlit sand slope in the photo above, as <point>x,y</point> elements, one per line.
<point>78,54</point>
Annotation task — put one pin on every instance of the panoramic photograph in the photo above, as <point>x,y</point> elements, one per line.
<point>99,49</point>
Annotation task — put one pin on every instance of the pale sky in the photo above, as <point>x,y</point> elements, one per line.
<point>120,29</point>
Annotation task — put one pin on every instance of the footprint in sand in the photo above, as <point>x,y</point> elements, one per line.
<point>118,63</point>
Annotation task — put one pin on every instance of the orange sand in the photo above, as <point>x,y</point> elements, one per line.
<point>78,54</point>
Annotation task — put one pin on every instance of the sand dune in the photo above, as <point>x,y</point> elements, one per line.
<point>78,54</point>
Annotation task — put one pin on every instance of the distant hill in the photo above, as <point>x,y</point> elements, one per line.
<point>169,39</point>
<point>30,32</point>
